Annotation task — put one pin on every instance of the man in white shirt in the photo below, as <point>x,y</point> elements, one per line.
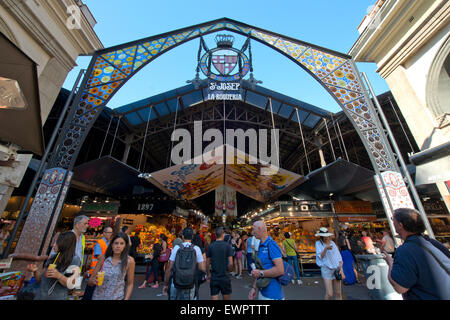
<point>252,246</point>
<point>80,226</point>
<point>183,294</point>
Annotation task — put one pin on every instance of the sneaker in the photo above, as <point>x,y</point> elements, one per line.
<point>293,281</point>
<point>299,281</point>
<point>238,277</point>
<point>233,274</point>
<point>155,286</point>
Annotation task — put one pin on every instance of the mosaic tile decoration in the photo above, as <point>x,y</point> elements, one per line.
<point>111,70</point>
<point>45,200</point>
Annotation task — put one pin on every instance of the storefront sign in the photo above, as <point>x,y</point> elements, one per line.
<point>353,207</point>
<point>313,206</point>
<point>307,207</point>
<point>129,222</point>
<point>146,206</point>
<point>101,207</point>
<point>357,218</point>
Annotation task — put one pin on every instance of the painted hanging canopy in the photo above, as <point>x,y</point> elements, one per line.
<point>193,179</point>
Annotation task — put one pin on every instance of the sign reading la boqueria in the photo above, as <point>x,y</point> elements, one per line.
<point>224,91</point>
<point>225,67</point>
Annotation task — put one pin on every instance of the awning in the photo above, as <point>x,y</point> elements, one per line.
<point>432,165</point>
<point>339,177</point>
<point>21,126</point>
<point>190,181</point>
<point>109,176</point>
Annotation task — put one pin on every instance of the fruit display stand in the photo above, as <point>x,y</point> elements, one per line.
<point>302,231</point>
<point>150,234</point>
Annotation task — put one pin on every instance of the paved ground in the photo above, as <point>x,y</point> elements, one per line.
<point>311,289</point>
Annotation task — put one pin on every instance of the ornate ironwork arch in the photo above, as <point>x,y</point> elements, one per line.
<point>111,68</point>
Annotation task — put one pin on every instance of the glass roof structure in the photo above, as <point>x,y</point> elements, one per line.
<point>137,113</point>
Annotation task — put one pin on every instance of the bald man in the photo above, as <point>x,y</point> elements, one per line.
<point>270,255</point>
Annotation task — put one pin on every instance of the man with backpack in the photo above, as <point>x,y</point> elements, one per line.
<point>420,269</point>
<point>184,260</point>
<point>272,264</point>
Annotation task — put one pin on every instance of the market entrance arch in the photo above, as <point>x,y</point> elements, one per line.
<point>111,68</point>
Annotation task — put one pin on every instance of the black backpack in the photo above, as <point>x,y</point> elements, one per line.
<point>185,266</point>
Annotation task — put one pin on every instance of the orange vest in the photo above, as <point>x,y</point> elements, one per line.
<point>103,246</point>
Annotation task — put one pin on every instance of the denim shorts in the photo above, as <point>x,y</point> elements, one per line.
<point>327,273</point>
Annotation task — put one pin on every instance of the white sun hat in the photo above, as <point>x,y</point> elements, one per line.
<point>323,232</point>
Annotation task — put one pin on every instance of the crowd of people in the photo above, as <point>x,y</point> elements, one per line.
<point>418,268</point>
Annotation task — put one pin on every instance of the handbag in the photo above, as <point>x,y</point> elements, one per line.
<point>337,274</point>
<point>165,256</point>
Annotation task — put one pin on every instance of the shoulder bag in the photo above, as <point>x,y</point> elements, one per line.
<point>261,283</point>
<point>433,255</point>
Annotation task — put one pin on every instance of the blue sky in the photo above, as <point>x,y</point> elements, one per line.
<point>328,23</point>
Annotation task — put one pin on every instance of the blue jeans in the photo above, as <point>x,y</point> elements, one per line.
<point>293,260</point>
<point>153,268</point>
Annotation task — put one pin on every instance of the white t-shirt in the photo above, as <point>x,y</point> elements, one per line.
<point>389,245</point>
<point>332,257</point>
<point>198,252</point>
<point>254,241</point>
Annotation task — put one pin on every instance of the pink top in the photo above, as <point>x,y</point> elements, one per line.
<point>369,244</point>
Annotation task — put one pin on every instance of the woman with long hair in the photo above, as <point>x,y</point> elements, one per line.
<point>55,282</point>
<point>237,244</point>
<point>115,264</point>
<point>164,256</point>
<point>347,259</point>
<point>154,266</point>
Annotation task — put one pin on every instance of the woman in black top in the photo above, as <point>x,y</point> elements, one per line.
<point>351,276</point>
<point>154,266</point>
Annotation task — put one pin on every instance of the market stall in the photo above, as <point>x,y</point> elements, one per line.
<point>301,219</point>
<point>439,219</point>
<point>149,231</point>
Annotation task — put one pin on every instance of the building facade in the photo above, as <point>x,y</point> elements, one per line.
<point>52,34</point>
<point>410,43</point>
